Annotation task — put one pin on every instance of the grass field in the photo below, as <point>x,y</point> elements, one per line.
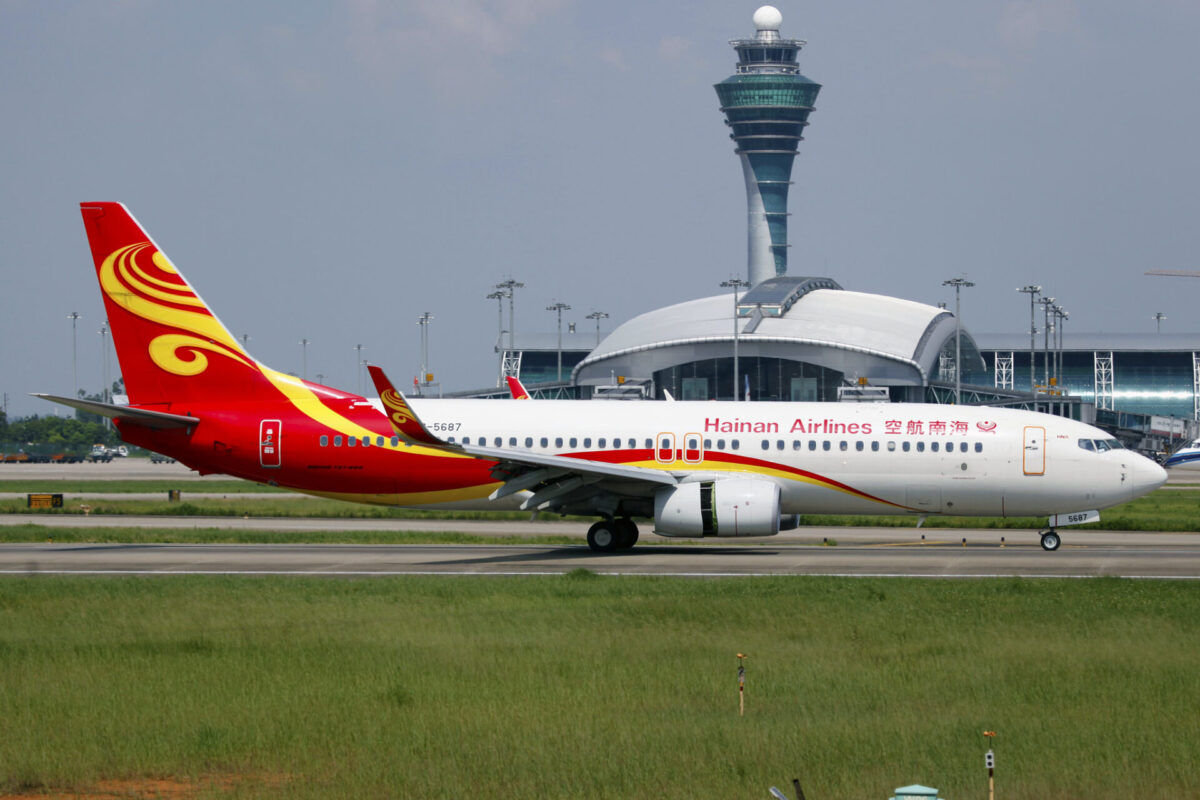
<point>587,686</point>
<point>1164,510</point>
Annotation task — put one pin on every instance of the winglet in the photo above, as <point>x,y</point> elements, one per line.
<point>404,420</point>
<point>516,388</point>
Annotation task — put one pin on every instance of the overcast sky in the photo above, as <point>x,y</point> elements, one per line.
<point>331,170</point>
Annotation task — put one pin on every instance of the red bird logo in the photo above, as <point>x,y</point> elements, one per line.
<point>986,427</point>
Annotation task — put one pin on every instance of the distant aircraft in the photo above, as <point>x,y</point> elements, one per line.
<point>698,469</point>
<point>517,389</point>
<point>1187,457</point>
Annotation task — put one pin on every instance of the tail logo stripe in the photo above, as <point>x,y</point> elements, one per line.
<point>128,284</point>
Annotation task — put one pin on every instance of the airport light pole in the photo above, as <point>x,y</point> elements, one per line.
<point>358,362</point>
<point>74,317</point>
<point>499,296</point>
<point>424,321</point>
<point>304,358</point>
<point>1158,319</point>
<point>104,390</point>
<point>1032,291</point>
<point>735,284</point>
<point>510,286</point>
<point>559,307</point>
<point>1046,302</point>
<point>958,284</point>
<point>1061,315</point>
<point>597,315</point>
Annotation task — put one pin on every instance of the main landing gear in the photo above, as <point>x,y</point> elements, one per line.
<point>611,534</point>
<point>1050,540</point>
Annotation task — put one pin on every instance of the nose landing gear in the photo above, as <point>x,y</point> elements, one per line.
<point>1050,540</point>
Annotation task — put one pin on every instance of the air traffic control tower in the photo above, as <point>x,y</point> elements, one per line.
<point>766,104</point>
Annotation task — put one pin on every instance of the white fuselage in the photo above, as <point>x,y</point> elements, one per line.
<point>826,457</point>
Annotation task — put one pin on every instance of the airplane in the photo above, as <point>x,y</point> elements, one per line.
<point>516,388</point>
<point>697,469</point>
<point>1187,457</point>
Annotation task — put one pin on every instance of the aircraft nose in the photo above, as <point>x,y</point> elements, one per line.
<point>1147,476</point>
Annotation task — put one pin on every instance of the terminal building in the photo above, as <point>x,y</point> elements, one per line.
<point>783,337</point>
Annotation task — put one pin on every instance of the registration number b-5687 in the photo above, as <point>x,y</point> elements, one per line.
<point>1075,518</point>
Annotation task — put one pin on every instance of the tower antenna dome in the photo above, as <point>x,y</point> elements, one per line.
<point>768,18</point>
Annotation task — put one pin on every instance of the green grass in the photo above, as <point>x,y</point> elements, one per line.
<point>590,686</point>
<point>1165,510</point>
<point>188,486</point>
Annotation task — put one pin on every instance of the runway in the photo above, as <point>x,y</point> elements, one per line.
<point>1168,558</point>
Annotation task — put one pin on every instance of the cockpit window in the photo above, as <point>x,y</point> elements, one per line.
<point>1101,445</point>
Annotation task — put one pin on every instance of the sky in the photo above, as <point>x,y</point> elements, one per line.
<point>332,170</point>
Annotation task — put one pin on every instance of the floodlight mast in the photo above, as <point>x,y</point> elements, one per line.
<point>74,317</point>
<point>559,307</point>
<point>957,283</point>
<point>1032,291</point>
<point>424,321</point>
<point>1047,303</point>
<point>499,296</point>
<point>597,315</point>
<point>735,284</point>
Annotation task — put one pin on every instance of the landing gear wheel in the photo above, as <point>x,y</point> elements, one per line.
<point>603,537</point>
<point>1050,541</point>
<point>627,533</point>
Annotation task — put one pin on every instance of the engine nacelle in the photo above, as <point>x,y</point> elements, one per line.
<point>727,507</point>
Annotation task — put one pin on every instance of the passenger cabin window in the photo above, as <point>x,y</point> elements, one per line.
<point>351,441</point>
<point>843,446</point>
<point>933,446</point>
<point>874,447</point>
<point>920,447</point>
<point>602,443</point>
<point>379,441</point>
<point>544,442</point>
<point>512,441</point>
<point>324,441</point>
<point>735,444</point>
<point>979,447</point>
<point>587,441</point>
<point>859,446</point>
<point>766,445</point>
<point>825,445</point>
<point>396,441</point>
<point>891,447</point>
<point>907,446</point>
<point>337,441</point>
<point>529,441</point>
<point>812,444</point>
<point>574,442</point>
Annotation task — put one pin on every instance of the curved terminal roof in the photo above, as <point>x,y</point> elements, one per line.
<point>888,338</point>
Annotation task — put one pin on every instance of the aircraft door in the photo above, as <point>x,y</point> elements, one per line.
<point>1033,456</point>
<point>269,440</point>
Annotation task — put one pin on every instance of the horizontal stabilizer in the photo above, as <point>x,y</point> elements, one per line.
<point>158,420</point>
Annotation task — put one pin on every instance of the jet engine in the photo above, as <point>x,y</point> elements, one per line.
<point>727,507</point>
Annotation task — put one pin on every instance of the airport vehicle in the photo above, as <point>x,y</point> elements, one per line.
<point>1186,457</point>
<point>697,468</point>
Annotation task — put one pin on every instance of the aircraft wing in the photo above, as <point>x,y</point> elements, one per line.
<point>554,480</point>
<point>159,420</point>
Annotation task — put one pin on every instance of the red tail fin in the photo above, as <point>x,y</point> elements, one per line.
<point>170,345</point>
<point>517,389</point>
